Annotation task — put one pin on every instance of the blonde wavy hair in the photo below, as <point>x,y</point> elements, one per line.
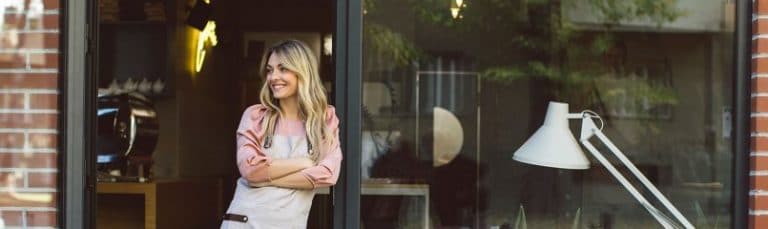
<point>299,59</point>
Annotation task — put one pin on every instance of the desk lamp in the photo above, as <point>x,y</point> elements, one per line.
<point>553,145</point>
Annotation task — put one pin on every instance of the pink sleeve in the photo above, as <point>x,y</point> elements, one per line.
<point>251,160</point>
<point>326,172</point>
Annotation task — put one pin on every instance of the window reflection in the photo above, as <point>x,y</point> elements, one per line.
<point>659,77</point>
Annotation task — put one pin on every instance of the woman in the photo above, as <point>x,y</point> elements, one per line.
<point>287,146</point>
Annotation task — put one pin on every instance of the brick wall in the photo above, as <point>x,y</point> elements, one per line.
<point>29,59</point>
<point>759,156</point>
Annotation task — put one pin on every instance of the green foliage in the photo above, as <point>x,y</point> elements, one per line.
<point>547,43</point>
<point>390,45</point>
<point>617,11</point>
<point>636,88</point>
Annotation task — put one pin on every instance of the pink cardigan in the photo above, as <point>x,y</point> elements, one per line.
<point>253,163</point>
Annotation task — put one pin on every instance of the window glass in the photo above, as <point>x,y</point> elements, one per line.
<point>452,89</point>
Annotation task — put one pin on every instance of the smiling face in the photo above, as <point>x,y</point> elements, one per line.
<point>292,83</point>
<point>283,83</point>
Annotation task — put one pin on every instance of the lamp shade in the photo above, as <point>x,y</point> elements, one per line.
<point>447,137</point>
<point>553,144</point>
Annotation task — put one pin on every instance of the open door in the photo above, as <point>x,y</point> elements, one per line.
<point>173,78</point>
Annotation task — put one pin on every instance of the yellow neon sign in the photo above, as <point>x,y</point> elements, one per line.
<point>208,34</point>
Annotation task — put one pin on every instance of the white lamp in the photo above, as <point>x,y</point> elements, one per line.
<point>553,145</point>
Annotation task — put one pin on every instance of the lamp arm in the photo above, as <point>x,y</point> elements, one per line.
<point>663,220</point>
<point>620,155</point>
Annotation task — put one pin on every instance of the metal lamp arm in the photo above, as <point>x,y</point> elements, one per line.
<point>589,129</point>
<point>663,220</point>
<point>655,191</point>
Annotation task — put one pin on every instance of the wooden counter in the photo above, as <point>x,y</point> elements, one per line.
<point>159,204</point>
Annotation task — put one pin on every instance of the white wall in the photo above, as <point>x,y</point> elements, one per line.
<point>698,16</point>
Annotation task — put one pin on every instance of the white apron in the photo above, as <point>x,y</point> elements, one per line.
<point>273,207</point>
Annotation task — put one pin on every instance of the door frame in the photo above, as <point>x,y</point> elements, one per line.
<point>78,94</point>
<point>77,98</point>
<point>348,93</point>
<point>742,68</point>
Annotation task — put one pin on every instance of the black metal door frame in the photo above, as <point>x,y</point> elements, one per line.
<point>78,95</point>
<point>348,93</point>
<point>77,87</point>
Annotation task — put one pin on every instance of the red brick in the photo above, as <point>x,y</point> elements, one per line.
<point>44,199</point>
<point>11,140</point>
<point>51,21</point>
<point>49,60</point>
<point>41,180</point>
<point>18,181</point>
<point>13,21</point>
<point>12,60</point>
<point>47,121</point>
<point>43,140</point>
<point>43,101</point>
<point>758,163</point>
<point>51,40</point>
<point>28,160</point>
<point>758,222</point>
<point>759,143</point>
<point>41,219</point>
<point>760,65</point>
<point>760,27</point>
<point>51,4</point>
<point>759,124</point>
<point>760,104</point>
<point>35,40</point>
<point>29,80</point>
<point>12,218</point>
<point>11,100</point>
<point>52,60</point>
<point>760,45</point>
<point>758,182</point>
<point>758,203</point>
<point>760,7</point>
<point>759,84</point>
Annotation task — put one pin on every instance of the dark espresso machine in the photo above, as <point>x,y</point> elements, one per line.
<point>128,131</point>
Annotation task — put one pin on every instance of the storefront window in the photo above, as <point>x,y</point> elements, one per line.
<point>29,113</point>
<point>451,89</point>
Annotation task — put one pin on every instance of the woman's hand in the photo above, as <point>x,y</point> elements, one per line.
<point>283,167</point>
<point>297,164</point>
